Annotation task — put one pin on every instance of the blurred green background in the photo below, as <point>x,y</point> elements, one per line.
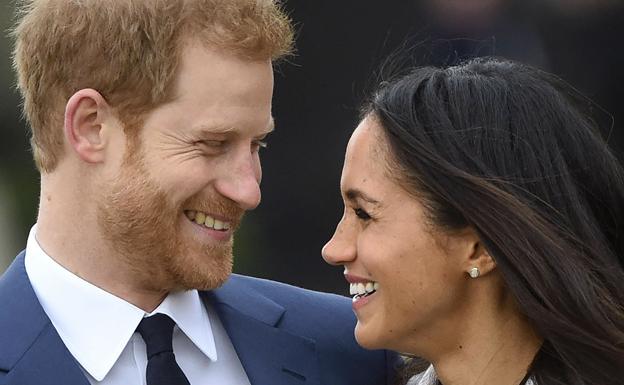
<point>19,184</point>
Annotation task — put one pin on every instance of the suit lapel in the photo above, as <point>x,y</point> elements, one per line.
<point>32,352</point>
<point>269,354</point>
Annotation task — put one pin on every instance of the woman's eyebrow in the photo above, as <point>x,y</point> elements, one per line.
<point>354,194</point>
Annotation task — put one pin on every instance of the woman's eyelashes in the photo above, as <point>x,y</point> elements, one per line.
<point>362,214</point>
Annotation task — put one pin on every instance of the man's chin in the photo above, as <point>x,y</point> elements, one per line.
<point>209,281</point>
<point>214,284</point>
<point>203,275</point>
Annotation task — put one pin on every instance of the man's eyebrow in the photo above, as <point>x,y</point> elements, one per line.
<point>208,129</point>
<point>212,129</point>
<point>355,194</point>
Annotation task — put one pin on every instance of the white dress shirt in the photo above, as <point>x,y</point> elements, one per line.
<point>98,328</point>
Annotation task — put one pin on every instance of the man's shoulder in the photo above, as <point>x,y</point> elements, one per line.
<point>327,319</point>
<point>26,334</point>
<point>301,307</point>
<point>20,310</point>
<point>284,293</point>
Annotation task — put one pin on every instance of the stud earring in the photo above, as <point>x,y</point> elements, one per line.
<point>474,272</point>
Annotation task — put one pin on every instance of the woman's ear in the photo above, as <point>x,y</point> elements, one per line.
<point>85,113</point>
<point>480,262</point>
<point>473,257</point>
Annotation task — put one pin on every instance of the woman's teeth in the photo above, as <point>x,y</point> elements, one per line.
<point>206,220</point>
<point>363,289</point>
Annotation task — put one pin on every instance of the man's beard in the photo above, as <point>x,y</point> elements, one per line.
<point>144,228</point>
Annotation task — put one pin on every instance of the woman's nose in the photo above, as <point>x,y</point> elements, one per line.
<point>340,249</point>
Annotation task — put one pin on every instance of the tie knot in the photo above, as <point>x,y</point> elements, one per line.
<point>157,332</point>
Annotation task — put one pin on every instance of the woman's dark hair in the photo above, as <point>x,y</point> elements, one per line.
<point>511,151</point>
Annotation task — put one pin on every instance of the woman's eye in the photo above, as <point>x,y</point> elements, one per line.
<point>362,214</point>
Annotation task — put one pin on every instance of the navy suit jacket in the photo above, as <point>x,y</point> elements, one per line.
<point>283,336</point>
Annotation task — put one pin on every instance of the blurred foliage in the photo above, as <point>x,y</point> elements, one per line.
<point>18,176</point>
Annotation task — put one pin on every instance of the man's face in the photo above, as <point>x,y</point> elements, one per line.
<point>173,205</point>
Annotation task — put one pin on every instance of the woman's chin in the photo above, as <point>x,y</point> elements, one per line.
<point>366,339</point>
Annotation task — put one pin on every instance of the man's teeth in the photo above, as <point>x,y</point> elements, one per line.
<point>206,220</point>
<point>362,288</point>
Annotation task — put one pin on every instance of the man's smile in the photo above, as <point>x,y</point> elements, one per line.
<point>207,220</point>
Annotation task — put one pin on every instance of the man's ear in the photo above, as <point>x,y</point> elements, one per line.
<point>85,113</point>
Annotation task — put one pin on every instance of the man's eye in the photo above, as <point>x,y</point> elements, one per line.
<point>362,214</point>
<point>212,143</point>
<point>211,147</point>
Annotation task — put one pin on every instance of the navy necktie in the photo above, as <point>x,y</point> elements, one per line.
<point>162,368</point>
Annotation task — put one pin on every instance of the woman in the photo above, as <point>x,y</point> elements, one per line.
<point>484,229</point>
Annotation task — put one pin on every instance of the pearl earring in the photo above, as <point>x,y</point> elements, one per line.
<point>474,272</point>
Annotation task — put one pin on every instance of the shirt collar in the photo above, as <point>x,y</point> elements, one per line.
<point>191,316</point>
<point>96,325</point>
<point>429,377</point>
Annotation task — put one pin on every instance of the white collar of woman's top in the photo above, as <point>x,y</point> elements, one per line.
<point>429,377</point>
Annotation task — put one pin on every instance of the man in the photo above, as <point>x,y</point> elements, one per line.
<point>147,117</point>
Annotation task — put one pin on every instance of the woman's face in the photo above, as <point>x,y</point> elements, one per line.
<point>384,242</point>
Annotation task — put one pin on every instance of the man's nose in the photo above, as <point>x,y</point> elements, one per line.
<point>340,249</point>
<point>241,183</point>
